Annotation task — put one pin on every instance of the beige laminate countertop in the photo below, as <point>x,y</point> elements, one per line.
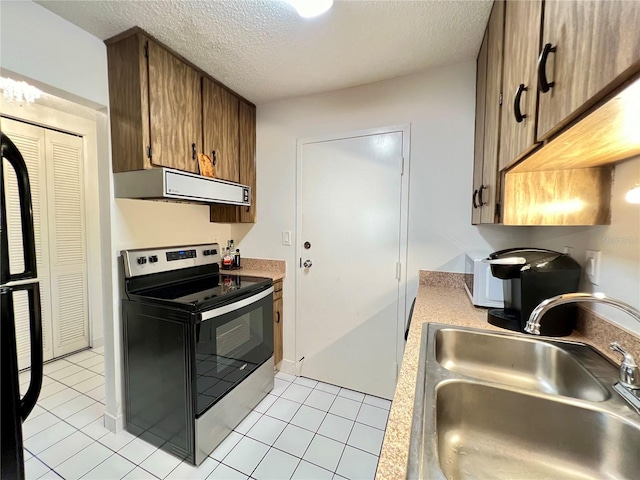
<point>255,273</point>
<point>448,305</point>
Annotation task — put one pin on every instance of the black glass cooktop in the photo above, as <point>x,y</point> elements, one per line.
<point>205,290</point>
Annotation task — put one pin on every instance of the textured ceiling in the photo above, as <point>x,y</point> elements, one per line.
<point>264,51</point>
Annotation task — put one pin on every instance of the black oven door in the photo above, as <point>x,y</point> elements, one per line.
<point>231,342</point>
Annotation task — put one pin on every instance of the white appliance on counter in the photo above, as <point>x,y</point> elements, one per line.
<point>483,288</point>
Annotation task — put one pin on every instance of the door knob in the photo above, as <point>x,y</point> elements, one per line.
<point>307,264</point>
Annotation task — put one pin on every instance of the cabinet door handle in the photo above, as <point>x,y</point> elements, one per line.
<point>475,194</point>
<point>214,159</point>
<point>516,103</point>
<point>194,154</point>
<point>278,317</point>
<point>543,84</point>
<point>480,200</point>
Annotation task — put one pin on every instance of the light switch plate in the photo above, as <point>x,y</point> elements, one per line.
<point>286,238</point>
<point>592,266</point>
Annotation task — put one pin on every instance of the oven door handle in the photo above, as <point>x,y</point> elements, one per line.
<point>217,312</point>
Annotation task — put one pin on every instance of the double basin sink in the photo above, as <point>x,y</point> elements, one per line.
<point>509,406</point>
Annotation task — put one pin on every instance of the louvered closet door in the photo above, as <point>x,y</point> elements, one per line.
<point>30,141</point>
<point>68,264</point>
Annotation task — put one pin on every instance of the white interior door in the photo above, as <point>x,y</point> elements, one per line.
<point>67,231</point>
<point>55,164</point>
<point>29,140</point>
<point>350,201</point>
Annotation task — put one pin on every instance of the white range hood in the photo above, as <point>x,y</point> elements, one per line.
<point>168,184</point>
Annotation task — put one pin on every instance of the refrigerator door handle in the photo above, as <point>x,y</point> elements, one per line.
<point>10,152</point>
<point>35,328</point>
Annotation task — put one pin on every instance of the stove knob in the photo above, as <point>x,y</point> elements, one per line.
<point>207,252</point>
<point>142,260</point>
<point>153,259</point>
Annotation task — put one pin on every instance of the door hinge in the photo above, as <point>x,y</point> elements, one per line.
<point>146,49</point>
<point>398,270</point>
<point>149,152</point>
<point>300,262</point>
<point>500,99</point>
<point>402,169</point>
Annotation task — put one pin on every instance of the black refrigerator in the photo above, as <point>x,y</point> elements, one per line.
<point>14,409</point>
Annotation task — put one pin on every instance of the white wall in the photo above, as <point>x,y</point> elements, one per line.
<point>439,105</point>
<point>618,242</point>
<point>53,53</point>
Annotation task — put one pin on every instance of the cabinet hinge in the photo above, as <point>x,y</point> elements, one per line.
<point>497,211</point>
<point>500,100</point>
<point>402,169</point>
<point>398,270</point>
<point>149,152</point>
<point>146,49</point>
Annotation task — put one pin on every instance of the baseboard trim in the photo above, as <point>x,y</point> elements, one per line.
<point>113,423</point>
<point>97,342</point>
<point>287,366</point>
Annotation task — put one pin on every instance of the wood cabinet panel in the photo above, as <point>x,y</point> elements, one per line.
<point>174,110</point>
<point>521,43</point>
<point>220,130</point>
<point>478,151</point>
<point>560,197</point>
<point>277,322</point>
<point>247,151</point>
<point>489,193</point>
<point>129,107</point>
<point>247,125</point>
<point>598,48</point>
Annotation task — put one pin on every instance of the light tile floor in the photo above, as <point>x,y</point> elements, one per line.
<point>302,430</point>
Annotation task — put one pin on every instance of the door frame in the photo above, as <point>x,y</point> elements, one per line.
<point>405,129</point>
<point>51,118</point>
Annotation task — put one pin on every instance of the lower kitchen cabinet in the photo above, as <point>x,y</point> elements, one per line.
<point>277,322</point>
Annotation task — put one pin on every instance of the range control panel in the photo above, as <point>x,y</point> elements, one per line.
<point>157,260</point>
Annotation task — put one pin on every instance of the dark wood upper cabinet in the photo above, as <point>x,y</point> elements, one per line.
<point>597,49</point>
<point>520,92</point>
<point>248,158</point>
<point>486,193</point>
<point>175,116</point>
<point>247,155</point>
<point>478,151</point>
<point>220,130</point>
<point>156,114</point>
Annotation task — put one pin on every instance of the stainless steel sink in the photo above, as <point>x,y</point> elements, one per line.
<point>487,432</point>
<point>509,407</point>
<point>517,361</point>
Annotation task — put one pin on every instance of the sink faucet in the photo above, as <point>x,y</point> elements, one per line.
<point>629,385</point>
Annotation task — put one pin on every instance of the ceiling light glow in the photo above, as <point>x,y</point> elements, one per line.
<point>633,195</point>
<point>311,8</point>
<point>18,91</point>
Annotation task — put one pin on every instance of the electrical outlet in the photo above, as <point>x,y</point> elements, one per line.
<point>592,266</point>
<point>568,250</point>
<point>286,238</point>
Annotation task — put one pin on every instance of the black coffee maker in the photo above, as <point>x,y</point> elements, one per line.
<point>532,275</point>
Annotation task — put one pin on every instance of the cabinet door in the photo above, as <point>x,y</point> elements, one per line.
<point>521,40</point>
<point>175,114</point>
<point>488,194</point>
<point>597,42</point>
<point>277,322</point>
<point>478,153</point>
<point>220,130</point>
<point>248,158</point>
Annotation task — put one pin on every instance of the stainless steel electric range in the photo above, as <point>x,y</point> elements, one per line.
<point>198,347</point>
